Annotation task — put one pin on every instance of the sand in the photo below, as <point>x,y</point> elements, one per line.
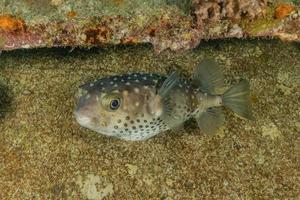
<point>45,154</point>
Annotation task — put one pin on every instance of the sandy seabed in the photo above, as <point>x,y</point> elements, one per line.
<point>45,154</point>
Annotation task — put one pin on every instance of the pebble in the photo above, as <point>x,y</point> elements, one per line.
<point>26,92</point>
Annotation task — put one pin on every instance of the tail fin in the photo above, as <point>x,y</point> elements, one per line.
<point>237,99</point>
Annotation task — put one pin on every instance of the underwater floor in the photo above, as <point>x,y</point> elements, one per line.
<point>45,154</point>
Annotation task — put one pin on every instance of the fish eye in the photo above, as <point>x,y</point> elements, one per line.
<point>111,102</point>
<point>114,104</point>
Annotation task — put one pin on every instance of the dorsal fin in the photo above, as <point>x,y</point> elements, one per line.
<point>207,76</point>
<point>168,85</point>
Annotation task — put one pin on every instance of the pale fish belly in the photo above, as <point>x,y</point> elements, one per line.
<point>141,128</point>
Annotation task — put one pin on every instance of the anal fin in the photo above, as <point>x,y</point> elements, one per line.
<point>210,120</point>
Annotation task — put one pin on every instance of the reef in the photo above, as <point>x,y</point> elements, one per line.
<point>166,24</point>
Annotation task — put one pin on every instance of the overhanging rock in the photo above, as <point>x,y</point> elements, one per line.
<point>174,24</point>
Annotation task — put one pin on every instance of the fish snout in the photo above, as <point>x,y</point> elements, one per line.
<point>87,116</point>
<point>86,110</point>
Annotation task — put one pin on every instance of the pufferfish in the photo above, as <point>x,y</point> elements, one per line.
<point>138,106</point>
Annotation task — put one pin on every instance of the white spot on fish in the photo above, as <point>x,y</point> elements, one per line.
<point>91,84</point>
<point>180,85</point>
<point>111,82</point>
<point>146,87</point>
<point>122,80</point>
<point>137,80</point>
<point>125,93</point>
<point>115,78</point>
<point>145,78</point>
<point>135,75</point>
<point>136,90</point>
<point>137,104</point>
<point>127,83</point>
<point>101,83</point>
<point>129,77</point>
<point>115,85</point>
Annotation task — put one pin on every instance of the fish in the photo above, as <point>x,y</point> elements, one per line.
<point>138,106</point>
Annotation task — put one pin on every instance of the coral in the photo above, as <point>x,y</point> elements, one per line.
<point>71,14</point>
<point>11,24</point>
<point>166,32</point>
<point>216,10</point>
<point>283,10</point>
<point>2,42</point>
<point>265,23</point>
<point>166,24</point>
<point>184,5</point>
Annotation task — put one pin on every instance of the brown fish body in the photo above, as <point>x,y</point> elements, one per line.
<point>139,106</point>
<point>141,113</point>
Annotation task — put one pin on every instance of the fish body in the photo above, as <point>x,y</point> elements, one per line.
<point>138,106</point>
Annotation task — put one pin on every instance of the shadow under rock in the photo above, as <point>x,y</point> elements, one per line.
<point>5,100</point>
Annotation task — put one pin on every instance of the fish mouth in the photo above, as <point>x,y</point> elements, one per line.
<point>87,114</point>
<point>83,111</point>
<point>80,113</point>
<point>81,119</point>
<point>89,122</point>
<point>86,117</point>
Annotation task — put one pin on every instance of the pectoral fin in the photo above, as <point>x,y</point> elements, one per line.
<point>170,116</point>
